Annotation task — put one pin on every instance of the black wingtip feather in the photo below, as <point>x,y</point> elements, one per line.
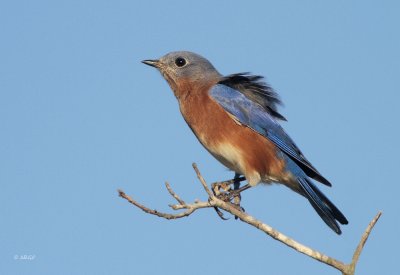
<point>318,177</point>
<point>337,214</point>
<point>322,205</point>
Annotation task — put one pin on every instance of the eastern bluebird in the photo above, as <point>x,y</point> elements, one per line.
<point>235,118</point>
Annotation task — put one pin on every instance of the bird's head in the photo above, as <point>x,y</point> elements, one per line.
<point>185,71</point>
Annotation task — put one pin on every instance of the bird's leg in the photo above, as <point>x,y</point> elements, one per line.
<point>226,185</point>
<point>231,194</point>
<point>237,198</point>
<point>236,192</point>
<point>222,189</point>
<point>236,181</point>
<point>236,185</point>
<point>216,189</point>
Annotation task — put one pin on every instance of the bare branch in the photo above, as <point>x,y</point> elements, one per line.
<point>190,208</point>
<point>173,194</point>
<point>202,181</point>
<point>217,203</point>
<point>360,246</point>
<point>228,207</point>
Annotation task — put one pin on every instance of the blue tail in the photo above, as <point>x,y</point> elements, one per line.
<point>324,207</point>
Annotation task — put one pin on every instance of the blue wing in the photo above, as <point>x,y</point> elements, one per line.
<point>253,115</point>
<point>258,118</point>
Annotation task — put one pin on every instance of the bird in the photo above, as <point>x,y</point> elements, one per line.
<point>236,118</point>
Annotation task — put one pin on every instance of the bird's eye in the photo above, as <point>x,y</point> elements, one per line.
<point>180,62</point>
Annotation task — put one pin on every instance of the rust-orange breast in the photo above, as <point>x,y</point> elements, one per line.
<point>236,146</point>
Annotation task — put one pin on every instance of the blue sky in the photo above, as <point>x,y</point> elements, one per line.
<point>82,117</point>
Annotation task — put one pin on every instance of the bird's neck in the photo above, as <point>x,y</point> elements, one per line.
<point>185,88</point>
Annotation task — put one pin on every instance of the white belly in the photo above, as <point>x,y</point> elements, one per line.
<point>230,156</point>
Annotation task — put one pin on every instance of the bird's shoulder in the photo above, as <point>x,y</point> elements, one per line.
<point>254,88</point>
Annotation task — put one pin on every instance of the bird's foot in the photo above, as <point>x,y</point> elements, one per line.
<point>226,186</point>
<point>219,188</point>
<point>224,192</point>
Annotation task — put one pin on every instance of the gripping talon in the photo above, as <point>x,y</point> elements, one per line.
<point>220,214</point>
<point>223,191</point>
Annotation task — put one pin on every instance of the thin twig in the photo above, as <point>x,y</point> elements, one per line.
<point>202,181</point>
<point>173,194</point>
<point>362,242</point>
<point>190,208</point>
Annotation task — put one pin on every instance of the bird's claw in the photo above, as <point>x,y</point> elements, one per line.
<point>224,192</point>
<point>220,214</point>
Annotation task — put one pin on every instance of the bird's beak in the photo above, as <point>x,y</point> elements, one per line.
<point>152,62</point>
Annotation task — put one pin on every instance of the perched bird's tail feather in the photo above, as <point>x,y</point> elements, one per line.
<point>324,207</point>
